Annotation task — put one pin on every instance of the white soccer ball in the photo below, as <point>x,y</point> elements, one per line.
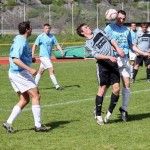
<point>111,14</point>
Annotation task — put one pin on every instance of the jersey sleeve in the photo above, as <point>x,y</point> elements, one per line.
<point>38,40</point>
<point>16,50</point>
<point>55,41</point>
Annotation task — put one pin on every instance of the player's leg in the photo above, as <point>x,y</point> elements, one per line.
<point>40,72</point>
<point>24,100</point>
<point>54,80</point>
<point>132,57</point>
<point>139,62</point>
<point>125,97</point>
<point>36,110</point>
<point>147,64</point>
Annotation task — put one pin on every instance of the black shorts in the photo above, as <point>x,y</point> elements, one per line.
<point>140,59</point>
<point>107,72</point>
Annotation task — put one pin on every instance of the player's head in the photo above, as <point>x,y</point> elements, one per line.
<point>133,26</point>
<point>24,27</point>
<point>47,28</point>
<point>121,17</point>
<point>144,27</point>
<point>83,30</point>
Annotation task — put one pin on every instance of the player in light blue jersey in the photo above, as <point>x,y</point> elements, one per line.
<point>132,54</point>
<point>46,41</point>
<point>20,75</point>
<point>123,38</point>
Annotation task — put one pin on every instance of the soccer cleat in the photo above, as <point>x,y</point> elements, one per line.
<point>107,117</point>
<point>99,120</point>
<point>148,80</point>
<point>94,113</point>
<point>8,127</point>
<point>124,114</point>
<point>60,88</point>
<point>43,128</point>
<point>132,80</point>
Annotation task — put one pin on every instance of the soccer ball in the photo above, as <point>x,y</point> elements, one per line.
<point>111,14</point>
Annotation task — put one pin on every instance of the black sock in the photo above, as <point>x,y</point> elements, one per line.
<point>113,102</point>
<point>148,73</point>
<point>135,71</point>
<point>98,103</point>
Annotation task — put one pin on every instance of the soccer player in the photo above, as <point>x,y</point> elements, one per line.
<point>132,54</point>
<point>99,45</point>
<point>20,75</point>
<point>123,38</point>
<point>46,41</point>
<point>142,41</point>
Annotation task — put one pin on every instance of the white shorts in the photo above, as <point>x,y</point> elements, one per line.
<point>124,66</point>
<point>45,63</point>
<point>132,55</point>
<point>22,81</point>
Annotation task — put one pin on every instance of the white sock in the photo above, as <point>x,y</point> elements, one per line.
<point>37,78</point>
<point>36,110</point>
<point>15,112</point>
<point>125,98</point>
<point>131,70</point>
<point>53,78</point>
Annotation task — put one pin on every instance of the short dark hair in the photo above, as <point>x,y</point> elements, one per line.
<point>47,24</point>
<point>79,29</point>
<point>144,24</point>
<point>133,23</point>
<point>122,12</point>
<point>23,27</point>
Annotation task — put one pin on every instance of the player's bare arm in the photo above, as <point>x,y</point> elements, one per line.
<point>60,49</point>
<point>118,49</point>
<point>100,56</point>
<point>134,47</point>
<point>22,65</point>
<point>33,51</point>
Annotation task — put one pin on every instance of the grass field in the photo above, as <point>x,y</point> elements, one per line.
<point>69,113</point>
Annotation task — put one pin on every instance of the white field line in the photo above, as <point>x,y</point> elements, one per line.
<point>76,101</point>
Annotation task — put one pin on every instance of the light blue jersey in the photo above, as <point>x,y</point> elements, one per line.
<point>133,35</point>
<point>46,43</point>
<point>121,35</point>
<point>20,49</point>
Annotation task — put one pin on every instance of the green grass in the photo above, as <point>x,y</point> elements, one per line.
<point>69,113</point>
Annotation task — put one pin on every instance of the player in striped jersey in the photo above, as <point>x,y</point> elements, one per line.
<point>99,45</point>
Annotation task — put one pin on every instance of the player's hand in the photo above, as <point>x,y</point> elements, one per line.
<point>33,71</point>
<point>33,59</point>
<point>120,52</point>
<point>113,59</point>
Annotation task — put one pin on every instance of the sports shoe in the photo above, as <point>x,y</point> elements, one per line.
<point>99,120</point>
<point>148,80</point>
<point>132,80</point>
<point>43,128</point>
<point>8,127</point>
<point>124,114</point>
<point>60,88</point>
<point>94,113</point>
<point>107,117</point>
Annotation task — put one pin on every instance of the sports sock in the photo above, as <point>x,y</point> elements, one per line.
<point>125,97</point>
<point>15,112</point>
<point>113,102</point>
<point>99,101</point>
<point>148,73</point>
<point>37,78</point>
<point>53,78</point>
<point>131,70</point>
<point>135,71</point>
<point>36,110</point>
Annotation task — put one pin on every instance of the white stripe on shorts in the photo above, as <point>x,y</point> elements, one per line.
<point>22,81</point>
